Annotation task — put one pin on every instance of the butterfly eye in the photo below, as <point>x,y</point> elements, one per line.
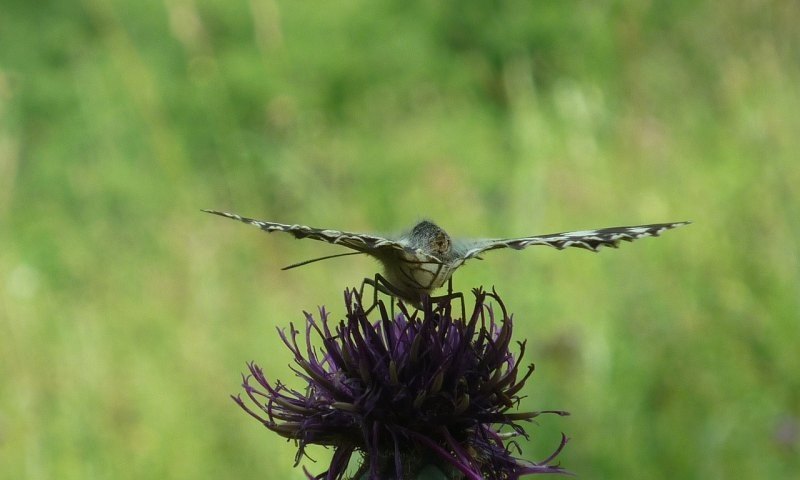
<point>441,243</point>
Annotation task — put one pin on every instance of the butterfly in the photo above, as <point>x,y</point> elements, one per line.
<point>425,257</point>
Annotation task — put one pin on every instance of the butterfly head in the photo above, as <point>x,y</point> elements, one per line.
<point>430,238</point>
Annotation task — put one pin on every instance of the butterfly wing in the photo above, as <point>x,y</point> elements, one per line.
<point>587,239</point>
<point>370,244</point>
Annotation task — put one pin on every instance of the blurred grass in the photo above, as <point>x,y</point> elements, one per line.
<point>126,314</point>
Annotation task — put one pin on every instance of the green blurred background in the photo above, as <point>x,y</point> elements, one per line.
<point>127,315</point>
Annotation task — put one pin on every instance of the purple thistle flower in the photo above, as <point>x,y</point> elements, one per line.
<point>420,390</point>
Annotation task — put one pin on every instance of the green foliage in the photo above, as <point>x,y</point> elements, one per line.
<point>126,314</point>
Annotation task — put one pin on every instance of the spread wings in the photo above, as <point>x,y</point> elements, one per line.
<point>370,244</point>
<point>588,239</point>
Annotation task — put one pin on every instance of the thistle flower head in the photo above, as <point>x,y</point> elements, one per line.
<point>418,390</point>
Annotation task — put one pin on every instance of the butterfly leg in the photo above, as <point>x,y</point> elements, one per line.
<point>372,283</point>
<point>459,295</point>
<point>379,284</point>
<point>449,298</point>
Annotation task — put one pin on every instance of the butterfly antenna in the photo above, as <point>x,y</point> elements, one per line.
<point>300,264</point>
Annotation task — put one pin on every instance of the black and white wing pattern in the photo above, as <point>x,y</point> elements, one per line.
<point>588,239</point>
<point>370,244</point>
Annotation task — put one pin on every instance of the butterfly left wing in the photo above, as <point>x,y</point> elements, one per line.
<point>587,239</point>
<point>371,244</point>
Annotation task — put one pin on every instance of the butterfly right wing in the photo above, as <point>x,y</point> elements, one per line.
<point>586,239</point>
<point>370,244</point>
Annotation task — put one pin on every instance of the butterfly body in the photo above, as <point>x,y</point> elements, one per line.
<point>423,259</point>
<point>414,275</point>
